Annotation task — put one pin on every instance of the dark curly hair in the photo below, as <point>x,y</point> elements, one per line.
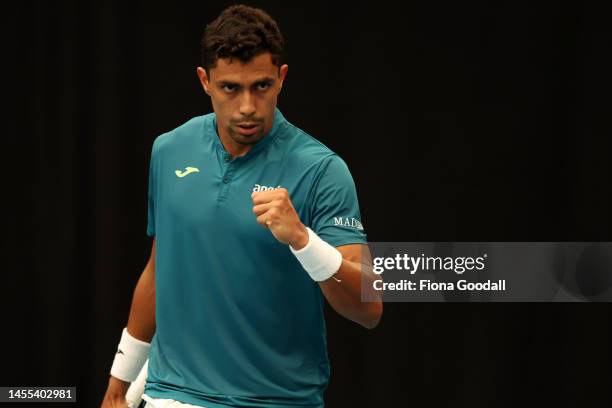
<point>241,32</point>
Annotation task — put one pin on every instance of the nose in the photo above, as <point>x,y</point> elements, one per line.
<point>247,104</point>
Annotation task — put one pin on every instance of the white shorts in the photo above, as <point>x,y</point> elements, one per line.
<point>166,403</point>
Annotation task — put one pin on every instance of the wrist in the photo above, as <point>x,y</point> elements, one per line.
<point>130,357</point>
<point>117,382</point>
<point>318,258</point>
<point>117,386</point>
<point>301,239</point>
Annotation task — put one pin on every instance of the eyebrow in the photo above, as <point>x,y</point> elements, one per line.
<point>258,81</point>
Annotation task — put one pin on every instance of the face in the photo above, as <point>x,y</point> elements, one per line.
<point>244,97</point>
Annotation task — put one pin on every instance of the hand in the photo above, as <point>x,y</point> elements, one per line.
<point>115,394</point>
<point>275,211</point>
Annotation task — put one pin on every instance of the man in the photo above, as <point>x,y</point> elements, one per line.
<point>254,222</point>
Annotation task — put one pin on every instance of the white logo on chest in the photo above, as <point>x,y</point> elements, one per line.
<point>259,187</point>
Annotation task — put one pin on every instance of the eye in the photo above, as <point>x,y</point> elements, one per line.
<point>262,86</point>
<point>228,87</point>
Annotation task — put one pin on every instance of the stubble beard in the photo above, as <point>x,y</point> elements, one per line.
<point>246,140</point>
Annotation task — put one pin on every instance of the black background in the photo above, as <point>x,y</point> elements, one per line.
<point>459,122</point>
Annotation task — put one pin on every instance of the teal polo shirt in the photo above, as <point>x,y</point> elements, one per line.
<point>239,321</point>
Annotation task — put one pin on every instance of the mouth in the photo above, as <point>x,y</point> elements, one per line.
<point>247,129</point>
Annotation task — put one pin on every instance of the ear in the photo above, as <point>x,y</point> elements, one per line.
<point>201,72</point>
<point>282,74</point>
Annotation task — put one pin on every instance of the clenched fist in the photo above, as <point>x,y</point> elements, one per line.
<point>275,211</point>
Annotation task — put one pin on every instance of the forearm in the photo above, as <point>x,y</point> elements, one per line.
<point>141,321</point>
<point>141,326</point>
<point>345,296</point>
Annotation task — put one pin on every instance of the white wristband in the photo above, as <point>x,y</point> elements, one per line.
<point>318,258</point>
<point>131,355</point>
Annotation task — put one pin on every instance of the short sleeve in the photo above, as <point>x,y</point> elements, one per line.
<point>335,215</point>
<point>151,195</point>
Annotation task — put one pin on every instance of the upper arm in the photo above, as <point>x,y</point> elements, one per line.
<point>335,215</point>
<point>149,270</point>
<point>152,256</point>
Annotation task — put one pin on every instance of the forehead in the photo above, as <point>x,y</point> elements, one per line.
<point>237,71</point>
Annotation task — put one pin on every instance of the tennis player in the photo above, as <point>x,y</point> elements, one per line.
<point>254,224</point>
